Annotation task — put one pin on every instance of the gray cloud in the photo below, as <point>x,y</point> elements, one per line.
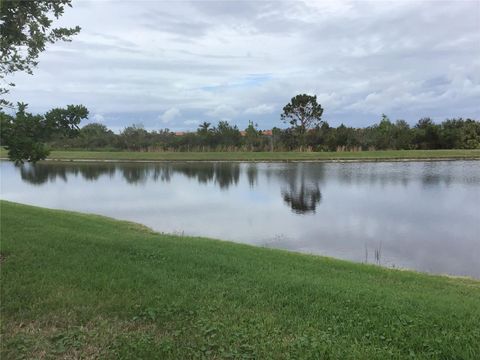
<point>241,60</point>
<point>163,22</point>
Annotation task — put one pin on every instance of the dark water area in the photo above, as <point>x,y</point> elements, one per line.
<point>417,215</point>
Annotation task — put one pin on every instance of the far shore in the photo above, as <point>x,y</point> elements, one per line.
<point>359,156</point>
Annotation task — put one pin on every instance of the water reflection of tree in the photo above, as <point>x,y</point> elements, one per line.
<point>302,191</point>
<point>93,172</point>
<point>222,174</point>
<point>41,173</point>
<point>38,174</point>
<point>135,173</point>
<point>204,173</point>
<point>303,199</point>
<point>227,174</point>
<point>252,174</point>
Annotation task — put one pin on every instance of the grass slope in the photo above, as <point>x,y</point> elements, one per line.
<point>85,286</point>
<point>262,156</point>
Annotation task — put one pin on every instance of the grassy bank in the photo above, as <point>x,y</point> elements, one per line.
<point>84,286</point>
<point>263,156</point>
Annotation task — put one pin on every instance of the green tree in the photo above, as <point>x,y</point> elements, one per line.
<point>25,30</point>
<point>329,135</point>
<point>472,134</point>
<point>384,134</point>
<point>66,121</point>
<point>426,134</point>
<point>134,137</point>
<point>25,135</point>
<point>344,138</point>
<point>253,136</point>
<point>452,134</point>
<point>95,135</point>
<point>227,135</point>
<point>402,135</point>
<point>288,139</point>
<point>302,112</point>
<point>205,134</point>
<point>204,128</point>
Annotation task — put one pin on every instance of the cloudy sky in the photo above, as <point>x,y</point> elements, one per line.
<point>174,64</point>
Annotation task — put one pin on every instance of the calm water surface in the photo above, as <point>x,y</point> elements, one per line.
<point>418,215</point>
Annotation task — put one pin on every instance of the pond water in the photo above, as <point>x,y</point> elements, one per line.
<point>417,215</point>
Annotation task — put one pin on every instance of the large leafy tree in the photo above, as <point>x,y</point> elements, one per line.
<point>25,30</point>
<point>383,134</point>
<point>303,112</point>
<point>227,135</point>
<point>25,135</point>
<point>96,135</point>
<point>135,137</point>
<point>427,134</point>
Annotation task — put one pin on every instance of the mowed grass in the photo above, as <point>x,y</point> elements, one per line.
<point>262,156</point>
<point>84,286</point>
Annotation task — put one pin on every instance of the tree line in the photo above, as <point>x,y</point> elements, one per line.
<point>30,137</point>
<point>385,135</point>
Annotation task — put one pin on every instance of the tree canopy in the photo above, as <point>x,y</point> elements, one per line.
<point>384,135</point>
<point>25,136</point>
<point>303,112</point>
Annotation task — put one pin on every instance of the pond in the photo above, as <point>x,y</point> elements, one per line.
<point>417,215</point>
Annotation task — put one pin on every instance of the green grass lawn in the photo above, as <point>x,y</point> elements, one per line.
<point>263,156</point>
<point>84,286</point>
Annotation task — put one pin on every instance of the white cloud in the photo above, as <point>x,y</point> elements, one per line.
<point>136,59</point>
<point>260,109</point>
<point>98,118</point>
<point>222,112</point>
<point>170,115</point>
